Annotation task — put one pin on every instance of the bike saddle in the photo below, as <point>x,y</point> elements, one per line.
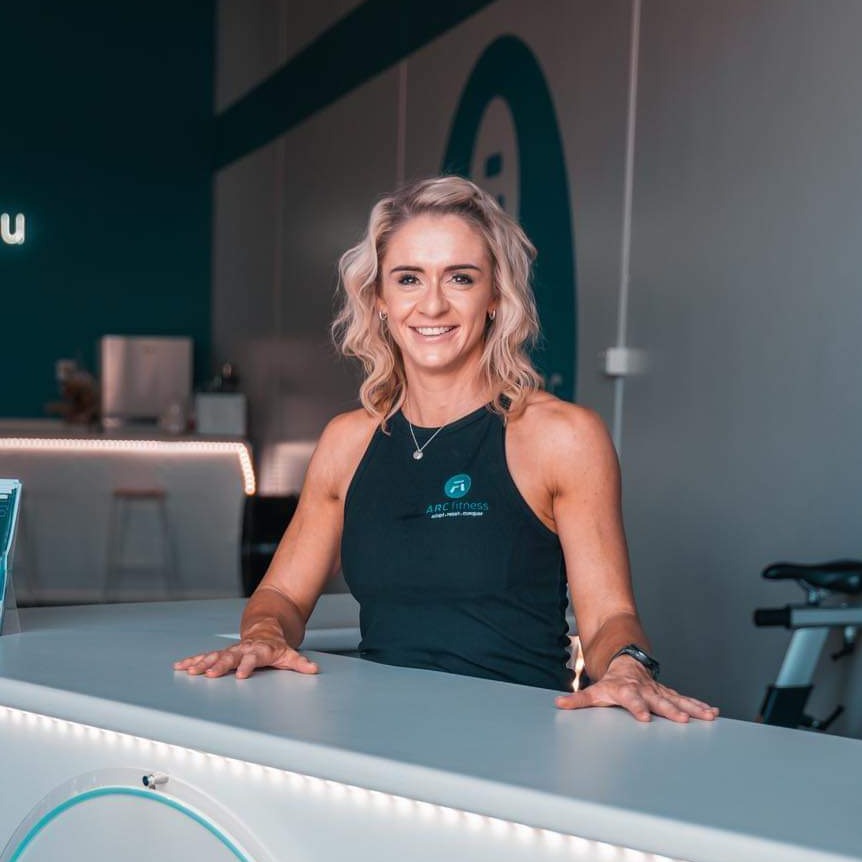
<point>839,576</point>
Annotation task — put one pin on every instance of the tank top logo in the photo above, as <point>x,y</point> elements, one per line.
<point>457,486</point>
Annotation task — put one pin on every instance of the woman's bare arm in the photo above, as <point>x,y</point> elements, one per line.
<point>273,623</point>
<point>583,478</point>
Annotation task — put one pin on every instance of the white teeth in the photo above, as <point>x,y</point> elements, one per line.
<point>433,330</point>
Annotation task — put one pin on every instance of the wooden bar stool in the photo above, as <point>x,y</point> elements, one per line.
<point>126,504</point>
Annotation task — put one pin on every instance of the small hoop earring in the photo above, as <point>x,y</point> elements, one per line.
<point>492,314</point>
<point>382,315</point>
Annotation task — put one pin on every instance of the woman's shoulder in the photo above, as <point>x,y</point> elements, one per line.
<point>560,427</point>
<point>546,410</point>
<point>348,430</point>
<point>351,422</point>
<point>340,448</point>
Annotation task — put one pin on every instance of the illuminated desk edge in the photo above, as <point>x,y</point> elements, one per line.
<point>184,446</point>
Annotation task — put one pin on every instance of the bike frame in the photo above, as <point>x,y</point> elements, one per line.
<point>785,700</point>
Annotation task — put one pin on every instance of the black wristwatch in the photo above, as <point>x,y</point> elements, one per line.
<point>641,656</point>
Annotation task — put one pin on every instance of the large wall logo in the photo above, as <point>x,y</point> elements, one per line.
<point>10,235</point>
<point>505,136</point>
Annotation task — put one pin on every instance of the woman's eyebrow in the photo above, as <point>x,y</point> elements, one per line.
<point>454,266</point>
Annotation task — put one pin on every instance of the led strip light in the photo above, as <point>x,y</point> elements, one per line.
<point>164,447</point>
<point>336,790</point>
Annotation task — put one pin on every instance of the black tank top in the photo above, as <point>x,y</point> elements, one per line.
<point>452,569</point>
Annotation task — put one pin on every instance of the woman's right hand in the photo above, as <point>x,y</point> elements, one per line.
<point>244,657</point>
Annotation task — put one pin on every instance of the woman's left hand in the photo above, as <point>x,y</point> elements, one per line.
<point>628,685</point>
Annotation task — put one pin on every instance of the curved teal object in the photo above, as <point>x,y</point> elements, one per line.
<point>150,796</point>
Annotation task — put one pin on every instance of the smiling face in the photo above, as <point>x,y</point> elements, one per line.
<point>436,286</point>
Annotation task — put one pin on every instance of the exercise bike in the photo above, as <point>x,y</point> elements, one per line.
<point>828,588</point>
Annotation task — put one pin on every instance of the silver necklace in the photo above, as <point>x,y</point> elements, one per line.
<point>418,451</point>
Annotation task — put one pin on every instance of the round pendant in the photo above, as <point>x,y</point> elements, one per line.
<point>417,455</point>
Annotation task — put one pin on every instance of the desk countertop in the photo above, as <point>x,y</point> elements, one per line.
<point>701,791</point>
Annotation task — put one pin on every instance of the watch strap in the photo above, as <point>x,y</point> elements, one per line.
<point>641,656</point>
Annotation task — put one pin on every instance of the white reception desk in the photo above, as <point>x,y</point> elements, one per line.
<point>184,544</point>
<point>367,762</point>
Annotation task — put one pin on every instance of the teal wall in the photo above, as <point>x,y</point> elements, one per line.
<point>106,147</point>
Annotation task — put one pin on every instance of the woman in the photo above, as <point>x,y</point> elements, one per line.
<point>461,498</point>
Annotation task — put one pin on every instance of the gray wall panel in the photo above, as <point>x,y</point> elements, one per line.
<point>285,214</point>
<point>741,446</point>
<point>246,289</point>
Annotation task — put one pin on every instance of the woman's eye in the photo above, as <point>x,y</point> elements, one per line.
<point>408,279</point>
<point>462,278</point>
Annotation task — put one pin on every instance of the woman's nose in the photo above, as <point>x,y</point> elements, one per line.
<point>434,301</point>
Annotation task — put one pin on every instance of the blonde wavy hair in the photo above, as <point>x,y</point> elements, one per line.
<point>359,332</point>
